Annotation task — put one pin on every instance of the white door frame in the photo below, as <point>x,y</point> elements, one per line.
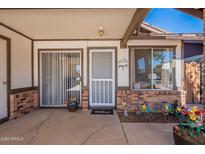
<point>92,104</point>
<point>7,82</point>
<point>40,70</point>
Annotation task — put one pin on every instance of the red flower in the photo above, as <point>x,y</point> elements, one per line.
<point>197,113</point>
<point>183,113</point>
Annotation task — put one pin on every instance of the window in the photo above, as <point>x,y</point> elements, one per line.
<point>152,68</point>
<point>142,67</point>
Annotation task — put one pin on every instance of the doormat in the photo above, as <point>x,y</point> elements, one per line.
<point>101,111</point>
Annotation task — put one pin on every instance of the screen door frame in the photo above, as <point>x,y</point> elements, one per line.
<point>59,50</point>
<point>113,50</point>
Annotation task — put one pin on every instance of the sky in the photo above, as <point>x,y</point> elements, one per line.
<point>174,21</point>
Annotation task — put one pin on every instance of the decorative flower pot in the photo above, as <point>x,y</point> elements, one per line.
<point>184,139</point>
<point>179,140</point>
<point>72,105</point>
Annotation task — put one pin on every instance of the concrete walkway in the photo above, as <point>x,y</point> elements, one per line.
<point>149,133</point>
<point>58,126</point>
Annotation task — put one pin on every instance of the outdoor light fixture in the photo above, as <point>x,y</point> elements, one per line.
<point>101,31</point>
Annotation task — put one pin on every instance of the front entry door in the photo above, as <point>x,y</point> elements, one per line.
<point>102,78</point>
<point>60,77</point>
<point>3,80</point>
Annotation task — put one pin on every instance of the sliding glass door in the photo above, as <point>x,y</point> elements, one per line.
<point>60,77</point>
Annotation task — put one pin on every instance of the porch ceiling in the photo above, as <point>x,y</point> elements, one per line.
<point>68,23</point>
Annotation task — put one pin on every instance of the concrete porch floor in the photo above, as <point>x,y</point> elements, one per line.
<point>58,126</point>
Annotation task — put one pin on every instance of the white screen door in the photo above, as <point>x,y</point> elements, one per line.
<point>102,78</point>
<point>60,77</point>
<point>3,80</point>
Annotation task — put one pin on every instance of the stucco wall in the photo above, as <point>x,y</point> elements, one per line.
<point>123,75</point>
<point>70,44</point>
<point>20,59</point>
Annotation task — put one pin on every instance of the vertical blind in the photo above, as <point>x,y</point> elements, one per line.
<point>60,78</point>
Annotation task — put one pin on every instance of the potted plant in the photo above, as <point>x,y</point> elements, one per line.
<point>191,129</point>
<point>72,104</point>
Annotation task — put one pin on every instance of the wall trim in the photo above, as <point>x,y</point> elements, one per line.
<point>19,90</point>
<point>8,27</point>
<point>56,49</point>
<point>123,88</point>
<point>86,39</point>
<point>152,46</point>
<point>35,88</point>
<point>45,8</point>
<point>32,63</point>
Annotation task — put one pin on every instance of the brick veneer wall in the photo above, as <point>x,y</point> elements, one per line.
<point>204,60</point>
<point>85,99</point>
<point>23,102</point>
<point>132,96</point>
